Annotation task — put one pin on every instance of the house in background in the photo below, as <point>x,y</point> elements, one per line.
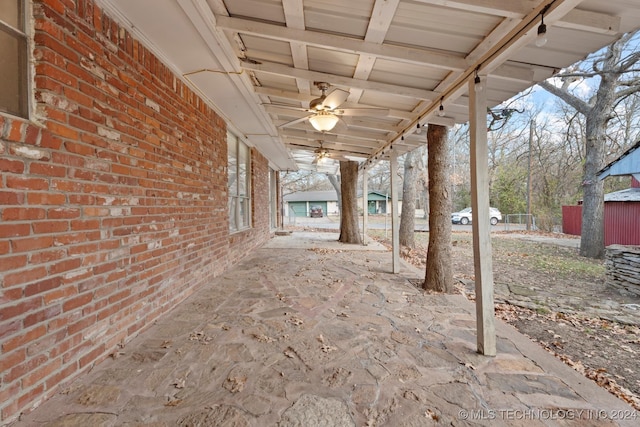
<point>376,202</point>
<point>299,204</point>
<point>621,208</point>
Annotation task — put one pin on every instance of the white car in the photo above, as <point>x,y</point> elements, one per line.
<point>464,216</point>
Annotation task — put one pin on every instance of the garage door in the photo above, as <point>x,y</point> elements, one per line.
<point>298,209</point>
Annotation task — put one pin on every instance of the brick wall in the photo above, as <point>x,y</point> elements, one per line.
<point>113,202</point>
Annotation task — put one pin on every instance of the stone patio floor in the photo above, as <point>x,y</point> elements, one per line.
<point>310,332</point>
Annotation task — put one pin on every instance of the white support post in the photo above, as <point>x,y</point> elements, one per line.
<point>365,205</point>
<point>481,227</point>
<point>395,220</point>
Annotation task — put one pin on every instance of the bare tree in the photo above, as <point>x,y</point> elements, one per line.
<point>349,232</point>
<point>335,182</point>
<point>613,67</point>
<point>439,275</point>
<point>408,215</point>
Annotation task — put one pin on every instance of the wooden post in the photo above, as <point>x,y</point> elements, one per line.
<point>395,221</point>
<point>365,205</point>
<point>481,226</point>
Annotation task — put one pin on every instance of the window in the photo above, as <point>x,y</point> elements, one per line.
<point>13,58</point>
<point>239,162</point>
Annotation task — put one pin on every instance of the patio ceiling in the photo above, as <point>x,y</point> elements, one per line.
<point>256,61</point>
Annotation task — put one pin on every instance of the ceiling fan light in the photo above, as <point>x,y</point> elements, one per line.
<point>323,121</point>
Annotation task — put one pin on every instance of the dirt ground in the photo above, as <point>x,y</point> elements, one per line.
<point>559,300</point>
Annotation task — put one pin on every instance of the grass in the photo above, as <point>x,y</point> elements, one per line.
<point>555,260</point>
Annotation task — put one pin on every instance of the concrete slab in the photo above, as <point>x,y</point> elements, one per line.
<point>315,335</point>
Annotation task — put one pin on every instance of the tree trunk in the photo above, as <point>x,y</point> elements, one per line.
<point>407,218</point>
<point>349,232</point>
<point>592,234</point>
<point>439,275</point>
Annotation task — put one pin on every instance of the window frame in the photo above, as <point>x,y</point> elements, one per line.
<point>23,38</point>
<point>240,202</point>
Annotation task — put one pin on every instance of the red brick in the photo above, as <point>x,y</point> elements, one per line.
<point>65,265</point>
<point>11,166</point>
<point>71,238</point>
<point>41,257</point>
<point>23,368</point>
<point>11,198</point>
<point>23,214</point>
<point>42,286</point>
<point>24,183</point>
<point>46,199</point>
<point>9,296</point>
<point>62,130</point>
<point>66,186</point>
<point>81,348</point>
<point>78,97</point>
<point>13,262</point>
<point>83,324</point>
<point>14,230</point>
<point>82,149</point>
<point>95,211</point>
<point>21,277</point>
<point>61,376</point>
<point>26,337</point>
<point>82,124</point>
<point>90,224</point>
<point>48,170</point>
<point>59,294</point>
<point>32,134</point>
<point>42,315</point>
<point>30,395</point>
<point>8,361</point>
<point>10,328</point>
<point>63,213</point>
<point>31,243</point>
<point>41,373</point>
<point>48,227</point>
<point>15,131</point>
<point>49,140</point>
<point>77,302</point>
<point>92,356</point>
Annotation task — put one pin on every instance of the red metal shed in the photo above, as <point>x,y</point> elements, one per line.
<point>622,217</point>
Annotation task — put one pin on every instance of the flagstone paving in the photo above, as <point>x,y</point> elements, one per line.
<point>308,332</point>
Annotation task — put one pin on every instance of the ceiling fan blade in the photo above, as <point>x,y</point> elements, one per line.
<point>378,112</point>
<point>335,98</point>
<point>286,107</point>
<point>294,122</point>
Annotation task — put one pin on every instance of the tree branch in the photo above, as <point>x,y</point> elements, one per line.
<point>567,97</point>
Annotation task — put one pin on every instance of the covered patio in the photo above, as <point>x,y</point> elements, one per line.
<point>321,333</point>
<point>140,165</point>
<point>312,83</point>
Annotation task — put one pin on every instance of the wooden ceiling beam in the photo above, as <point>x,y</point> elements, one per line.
<point>337,80</point>
<point>417,56</point>
<point>517,9</point>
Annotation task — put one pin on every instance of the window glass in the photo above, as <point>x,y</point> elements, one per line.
<point>239,176</point>
<point>11,13</point>
<point>13,59</point>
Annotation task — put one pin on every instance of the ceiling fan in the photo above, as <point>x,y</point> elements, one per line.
<point>320,154</point>
<point>325,111</point>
